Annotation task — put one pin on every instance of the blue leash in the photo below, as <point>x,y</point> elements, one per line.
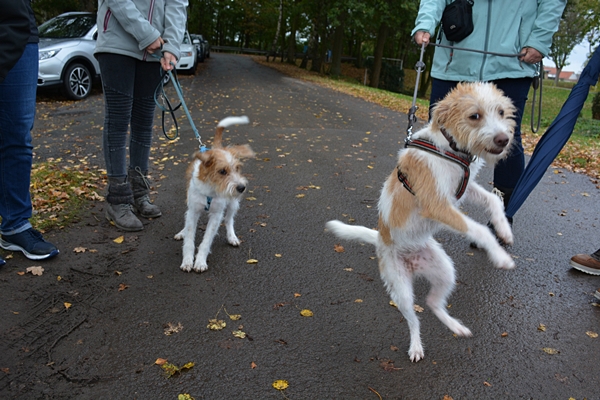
<point>169,109</point>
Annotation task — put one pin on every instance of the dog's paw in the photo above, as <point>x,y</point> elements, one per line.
<point>415,352</point>
<point>178,236</point>
<point>186,266</point>
<point>503,260</point>
<point>505,235</point>
<point>233,240</point>
<point>200,265</point>
<point>462,330</point>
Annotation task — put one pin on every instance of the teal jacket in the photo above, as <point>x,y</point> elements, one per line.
<point>501,26</point>
<point>127,27</point>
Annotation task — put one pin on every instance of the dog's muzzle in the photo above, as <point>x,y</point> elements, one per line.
<point>240,188</point>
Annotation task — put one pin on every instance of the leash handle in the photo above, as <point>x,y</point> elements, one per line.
<point>538,82</point>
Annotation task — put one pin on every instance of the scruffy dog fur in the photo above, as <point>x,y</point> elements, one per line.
<point>480,119</point>
<point>215,183</point>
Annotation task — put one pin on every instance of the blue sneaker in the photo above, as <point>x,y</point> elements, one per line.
<point>2,262</point>
<point>31,243</point>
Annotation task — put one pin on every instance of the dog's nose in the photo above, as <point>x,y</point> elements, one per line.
<point>240,188</point>
<point>501,140</point>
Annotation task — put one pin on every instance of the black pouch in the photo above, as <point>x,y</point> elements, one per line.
<point>457,20</point>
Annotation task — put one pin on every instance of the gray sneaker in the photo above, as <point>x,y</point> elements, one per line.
<point>122,216</point>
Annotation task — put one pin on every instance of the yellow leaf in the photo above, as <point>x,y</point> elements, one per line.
<point>184,396</point>
<point>35,270</point>
<point>299,196</point>
<point>550,350</point>
<point>58,278</point>
<point>542,327</point>
<point>297,295</point>
<point>79,249</point>
<point>591,334</point>
<point>278,255</point>
<point>418,308</point>
<point>216,324</point>
<point>119,240</point>
<point>235,317</point>
<point>187,366</point>
<point>391,303</point>
<point>160,361</point>
<point>68,305</point>
<point>118,273</point>
<point>250,198</point>
<point>239,334</point>
<point>252,261</point>
<point>358,301</point>
<point>280,384</point>
<point>306,313</point>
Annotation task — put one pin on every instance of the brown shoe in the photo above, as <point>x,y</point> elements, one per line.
<point>590,264</point>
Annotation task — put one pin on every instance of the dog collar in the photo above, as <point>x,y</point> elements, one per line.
<point>431,148</point>
<point>452,142</point>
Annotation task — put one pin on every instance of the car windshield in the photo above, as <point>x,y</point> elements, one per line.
<point>67,27</point>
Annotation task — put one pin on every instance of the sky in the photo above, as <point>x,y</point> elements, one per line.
<point>576,59</point>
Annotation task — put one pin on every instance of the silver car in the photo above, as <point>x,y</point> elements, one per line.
<point>67,44</point>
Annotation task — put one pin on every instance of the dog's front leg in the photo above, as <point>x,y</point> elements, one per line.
<point>232,209</point>
<point>495,210</point>
<point>188,234</point>
<point>215,216</point>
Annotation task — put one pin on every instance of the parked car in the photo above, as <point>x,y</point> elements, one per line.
<point>66,55</point>
<point>188,59</point>
<point>199,44</point>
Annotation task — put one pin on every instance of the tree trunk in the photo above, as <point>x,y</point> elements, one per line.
<point>273,51</point>
<point>378,56</point>
<point>338,47</point>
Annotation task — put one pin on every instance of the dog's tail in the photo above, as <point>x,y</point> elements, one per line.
<point>352,232</point>
<point>226,122</point>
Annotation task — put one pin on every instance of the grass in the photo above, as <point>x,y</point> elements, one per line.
<point>581,153</point>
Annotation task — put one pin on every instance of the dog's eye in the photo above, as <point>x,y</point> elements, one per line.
<point>475,116</point>
<point>223,172</point>
<point>501,112</point>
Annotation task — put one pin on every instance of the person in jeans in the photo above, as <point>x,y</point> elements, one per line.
<point>136,38</point>
<point>18,84</point>
<point>516,27</point>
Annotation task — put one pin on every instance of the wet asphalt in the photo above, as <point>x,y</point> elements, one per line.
<point>321,155</point>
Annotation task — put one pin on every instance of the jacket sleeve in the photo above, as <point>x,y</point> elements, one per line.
<point>134,22</point>
<point>14,33</point>
<point>175,25</point>
<point>429,16</point>
<point>545,25</point>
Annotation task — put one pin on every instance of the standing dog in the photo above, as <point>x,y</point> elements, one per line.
<point>435,174</point>
<point>215,184</point>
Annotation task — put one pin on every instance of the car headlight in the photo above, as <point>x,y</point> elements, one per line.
<point>186,54</point>
<point>46,54</point>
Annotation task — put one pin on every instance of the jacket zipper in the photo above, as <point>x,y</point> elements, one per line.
<point>487,37</point>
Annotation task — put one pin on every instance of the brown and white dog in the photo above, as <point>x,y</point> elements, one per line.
<point>472,123</point>
<point>215,184</point>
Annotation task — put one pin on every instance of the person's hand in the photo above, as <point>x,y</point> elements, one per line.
<point>155,46</point>
<point>422,37</point>
<point>168,61</point>
<point>531,56</point>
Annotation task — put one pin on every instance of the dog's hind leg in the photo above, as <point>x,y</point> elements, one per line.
<point>232,209</point>
<point>398,282</point>
<point>438,268</point>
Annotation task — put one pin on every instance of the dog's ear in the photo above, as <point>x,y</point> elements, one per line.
<point>218,137</point>
<point>241,151</point>
<point>206,157</point>
<point>439,115</point>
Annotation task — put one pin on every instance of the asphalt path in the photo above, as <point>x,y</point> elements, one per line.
<point>321,155</point>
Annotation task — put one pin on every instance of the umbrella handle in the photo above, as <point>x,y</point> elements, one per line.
<point>537,83</point>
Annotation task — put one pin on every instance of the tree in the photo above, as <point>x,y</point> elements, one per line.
<point>571,32</point>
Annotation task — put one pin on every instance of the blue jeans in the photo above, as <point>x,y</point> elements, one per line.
<point>129,86</point>
<point>17,113</point>
<point>508,171</point>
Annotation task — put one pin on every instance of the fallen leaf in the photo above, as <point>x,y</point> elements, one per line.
<point>172,328</point>
<point>348,269</point>
<point>5,370</point>
<point>297,295</point>
<point>550,350</point>
<point>418,308</point>
<point>58,278</point>
<point>446,397</point>
<point>184,396</point>
<point>280,384</point>
<point>160,361</point>
<point>299,196</point>
<point>119,240</point>
<point>542,327</point>
<point>487,384</point>
<point>118,273</point>
<point>79,249</point>
<point>306,313</point>
<point>358,301</point>
<point>504,334</point>
<point>252,261</point>
<point>67,305</point>
<point>591,334</point>
<point>235,317</point>
<point>278,255</point>
<point>35,270</point>
<point>21,273</point>
<point>239,334</point>
<point>391,303</point>
<point>216,324</point>
<point>253,365</point>
<point>122,287</point>
<point>338,248</point>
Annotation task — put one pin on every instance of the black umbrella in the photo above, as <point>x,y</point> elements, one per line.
<point>556,136</point>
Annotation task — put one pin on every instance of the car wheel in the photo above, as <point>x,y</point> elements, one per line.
<point>77,81</point>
